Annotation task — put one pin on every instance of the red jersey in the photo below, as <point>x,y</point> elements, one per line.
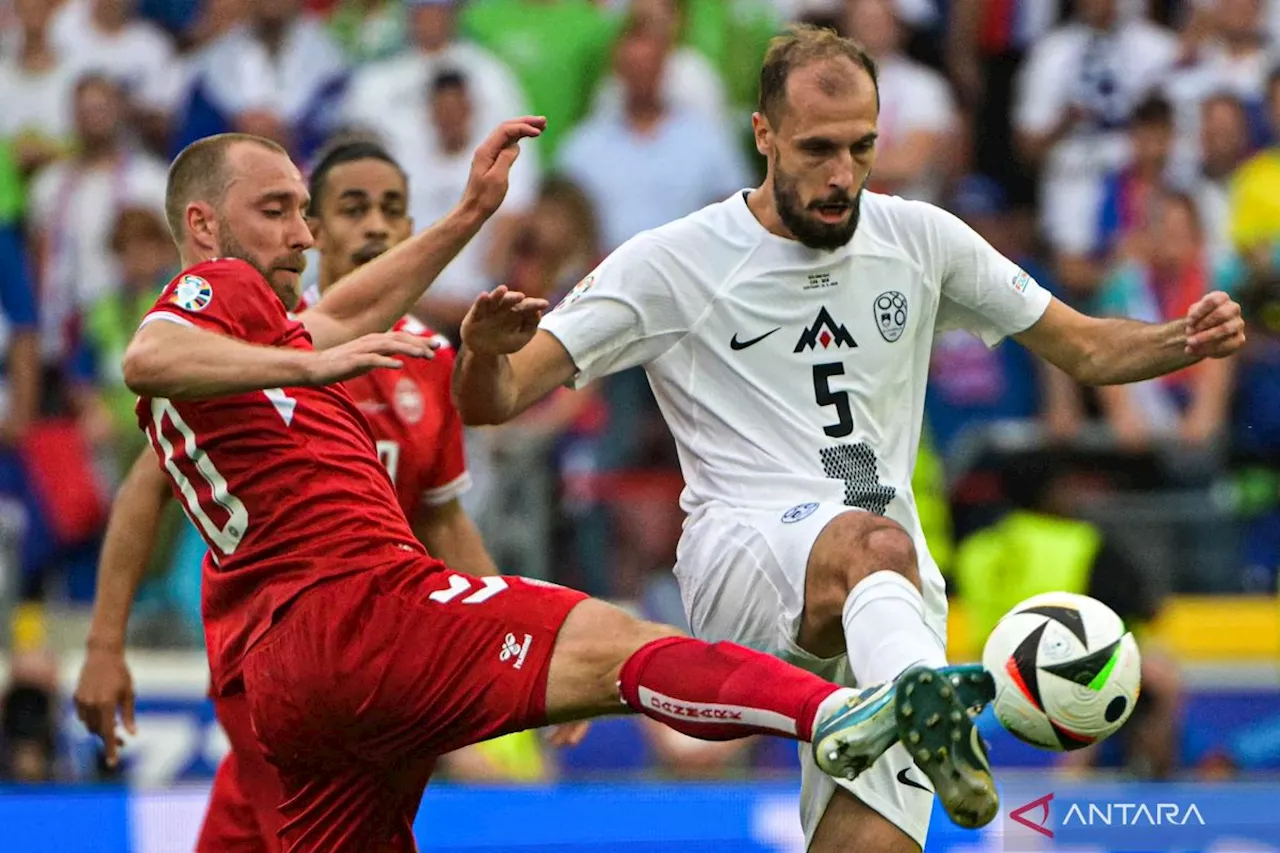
<point>284,485</point>
<point>416,429</point>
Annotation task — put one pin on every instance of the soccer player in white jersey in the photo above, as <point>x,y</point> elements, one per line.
<point>786,332</point>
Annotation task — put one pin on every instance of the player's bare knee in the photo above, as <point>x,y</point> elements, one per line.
<point>857,544</point>
<point>888,548</point>
<point>851,547</point>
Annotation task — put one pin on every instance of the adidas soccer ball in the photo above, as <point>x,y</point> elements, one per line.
<point>1067,672</point>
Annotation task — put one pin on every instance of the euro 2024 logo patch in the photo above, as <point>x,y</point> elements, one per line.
<point>1020,281</point>
<point>891,315</point>
<point>192,293</point>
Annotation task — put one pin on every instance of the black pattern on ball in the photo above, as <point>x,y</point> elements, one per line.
<point>1024,659</point>
<point>1068,617</point>
<point>1115,708</point>
<point>1084,670</point>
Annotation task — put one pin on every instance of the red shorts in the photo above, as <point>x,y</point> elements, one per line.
<point>243,814</point>
<point>365,679</point>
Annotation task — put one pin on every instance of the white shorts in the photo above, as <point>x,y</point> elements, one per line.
<point>742,579</point>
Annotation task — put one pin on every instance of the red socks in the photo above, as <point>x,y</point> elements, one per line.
<point>721,691</point>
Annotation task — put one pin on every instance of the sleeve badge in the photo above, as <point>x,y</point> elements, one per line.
<point>193,293</point>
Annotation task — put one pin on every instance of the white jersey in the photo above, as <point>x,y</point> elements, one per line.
<point>790,375</point>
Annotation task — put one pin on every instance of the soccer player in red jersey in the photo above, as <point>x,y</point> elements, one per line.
<point>360,657</point>
<point>359,198</point>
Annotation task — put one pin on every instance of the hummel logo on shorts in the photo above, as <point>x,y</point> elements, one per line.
<point>513,648</point>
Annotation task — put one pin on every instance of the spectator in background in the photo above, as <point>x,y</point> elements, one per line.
<point>689,82</point>
<point>387,97</point>
<point>733,35</point>
<point>36,89</point>
<point>1255,194</point>
<point>1160,286</point>
<point>108,37</point>
<point>553,247</point>
<point>1224,50</point>
<point>74,205</point>
<point>368,30</point>
<point>987,44</point>
<point>558,49</point>
<point>1075,95</point>
<point>1224,146</point>
<point>279,75</point>
<point>1129,192</point>
<point>971,386</point>
<point>28,719</point>
<point>19,333</point>
<point>917,117</point>
<point>1256,432</point>
<point>437,178</point>
<point>649,164</point>
<point>146,260</point>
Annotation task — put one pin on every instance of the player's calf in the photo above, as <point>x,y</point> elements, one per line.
<point>606,661</point>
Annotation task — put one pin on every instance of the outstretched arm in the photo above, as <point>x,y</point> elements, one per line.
<point>182,362</point>
<point>105,683</point>
<point>1115,351</point>
<point>375,296</point>
<point>506,364</point>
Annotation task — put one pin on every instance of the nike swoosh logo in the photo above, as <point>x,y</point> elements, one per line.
<point>911,783</point>
<point>737,344</point>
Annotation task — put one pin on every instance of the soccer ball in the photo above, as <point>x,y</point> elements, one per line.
<point>1067,672</point>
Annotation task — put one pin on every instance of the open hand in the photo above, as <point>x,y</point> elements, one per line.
<point>501,321</point>
<point>1215,328</point>
<point>106,687</point>
<point>358,357</point>
<point>491,164</point>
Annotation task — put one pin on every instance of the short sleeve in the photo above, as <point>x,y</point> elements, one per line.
<point>629,311</point>
<point>227,297</point>
<point>982,290</point>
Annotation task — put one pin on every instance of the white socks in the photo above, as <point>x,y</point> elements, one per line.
<point>884,629</point>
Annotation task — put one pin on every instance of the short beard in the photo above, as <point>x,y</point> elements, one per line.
<point>231,248</point>
<point>810,232</point>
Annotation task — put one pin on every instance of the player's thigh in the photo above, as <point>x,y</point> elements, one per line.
<point>255,782</point>
<point>230,822</point>
<point>886,809</point>
<point>742,579</point>
<point>406,664</point>
<point>850,824</point>
<point>354,808</point>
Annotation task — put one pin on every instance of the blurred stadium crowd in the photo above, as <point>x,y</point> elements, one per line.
<point>1126,152</point>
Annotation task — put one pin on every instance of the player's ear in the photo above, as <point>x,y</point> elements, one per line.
<point>202,225</point>
<point>763,133</point>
